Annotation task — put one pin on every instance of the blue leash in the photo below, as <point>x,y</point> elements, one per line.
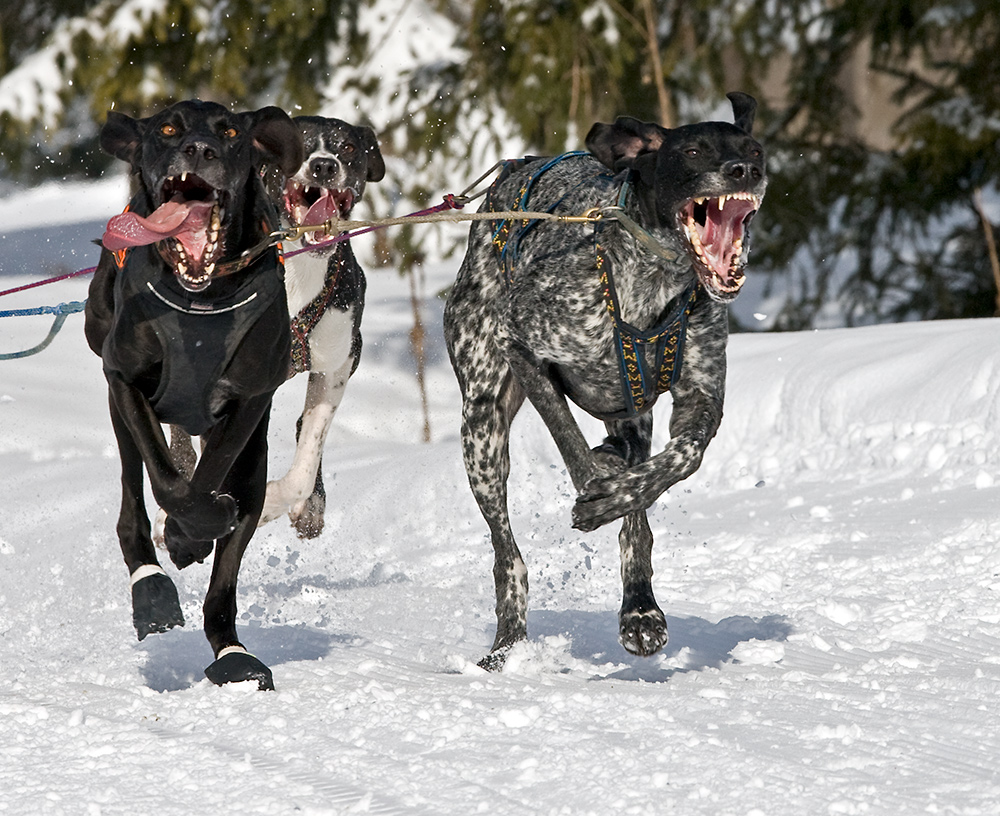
<point>62,311</point>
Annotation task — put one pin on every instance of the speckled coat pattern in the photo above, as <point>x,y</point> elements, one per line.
<point>536,326</point>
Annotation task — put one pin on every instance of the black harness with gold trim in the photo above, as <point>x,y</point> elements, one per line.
<point>649,361</point>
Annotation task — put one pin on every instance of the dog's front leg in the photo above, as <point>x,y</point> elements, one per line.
<point>202,514</point>
<point>246,480</point>
<point>221,446</point>
<point>155,604</point>
<point>299,492</point>
<point>698,396</point>
<point>694,422</point>
<point>583,464</point>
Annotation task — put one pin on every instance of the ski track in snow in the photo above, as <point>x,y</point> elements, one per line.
<point>831,580</point>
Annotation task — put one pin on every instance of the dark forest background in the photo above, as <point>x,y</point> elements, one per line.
<point>881,117</point>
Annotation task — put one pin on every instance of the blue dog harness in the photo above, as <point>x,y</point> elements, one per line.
<point>643,379</point>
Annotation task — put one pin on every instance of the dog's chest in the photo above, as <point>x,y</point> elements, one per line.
<point>305,275</point>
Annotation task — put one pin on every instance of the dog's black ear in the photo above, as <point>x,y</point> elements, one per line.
<point>617,146</point>
<point>376,164</point>
<point>121,137</point>
<point>276,138</point>
<point>744,109</point>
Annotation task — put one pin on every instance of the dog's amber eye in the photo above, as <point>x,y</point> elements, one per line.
<point>348,147</point>
<point>232,133</point>
<point>168,130</point>
<point>691,152</point>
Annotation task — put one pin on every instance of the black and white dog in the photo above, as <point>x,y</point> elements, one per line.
<point>608,316</point>
<point>187,309</point>
<point>326,296</point>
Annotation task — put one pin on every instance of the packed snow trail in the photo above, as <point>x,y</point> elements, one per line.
<point>831,580</point>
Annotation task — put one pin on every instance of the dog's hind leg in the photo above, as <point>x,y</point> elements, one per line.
<point>155,605</point>
<point>582,463</point>
<point>485,436</point>
<point>490,399</point>
<point>642,627</point>
<point>246,481</point>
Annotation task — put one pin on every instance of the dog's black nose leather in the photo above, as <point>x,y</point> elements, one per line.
<point>202,150</point>
<point>323,170</point>
<point>742,170</point>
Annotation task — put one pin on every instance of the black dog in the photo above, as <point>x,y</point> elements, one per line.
<point>187,310</point>
<point>609,317</point>
<point>326,296</point>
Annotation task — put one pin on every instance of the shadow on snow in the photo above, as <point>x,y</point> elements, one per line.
<point>177,659</point>
<point>594,639</point>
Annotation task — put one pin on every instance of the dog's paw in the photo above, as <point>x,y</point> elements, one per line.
<point>494,661</point>
<point>236,665</point>
<point>204,517</point>
<point>642,633</point>
<point>183,549</point>
<point>308,522</point>
<point>155,605</point>
<point>603,500</point>
<point>607,498</point>
<point>609,460</point>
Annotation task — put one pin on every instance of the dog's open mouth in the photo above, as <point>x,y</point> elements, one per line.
<point>715,229</point>
<point>188,224</point>
<point>309,205</point>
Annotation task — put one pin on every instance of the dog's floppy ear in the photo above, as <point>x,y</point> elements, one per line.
<point>121,137</point>
<point>276,138</point>
<point>617,146</point>
<point>376,164</point>
<point>744,109</point>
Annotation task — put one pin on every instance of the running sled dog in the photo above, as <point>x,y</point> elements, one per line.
<point>609,316</point>
<point>187,310</point>
<point>326,296</point>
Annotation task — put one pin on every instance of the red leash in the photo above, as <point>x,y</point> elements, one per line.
<point>48,280</point>
<point>451,202</point>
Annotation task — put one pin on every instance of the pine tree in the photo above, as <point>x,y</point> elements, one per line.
<point>852,231</point>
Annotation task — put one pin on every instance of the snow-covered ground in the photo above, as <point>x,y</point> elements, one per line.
<point>831,578</point>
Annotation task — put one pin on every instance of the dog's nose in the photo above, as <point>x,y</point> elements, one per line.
<point>201,150</point>
<point>323,169</point>
<point>742,170</point>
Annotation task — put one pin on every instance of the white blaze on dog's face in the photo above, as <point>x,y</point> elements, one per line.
<point>340,158</point>
<point>701,183</point>
<point>194,161</point>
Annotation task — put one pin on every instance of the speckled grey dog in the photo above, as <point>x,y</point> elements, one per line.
<point>610,316</point>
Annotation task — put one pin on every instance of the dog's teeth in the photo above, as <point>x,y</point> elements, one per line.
<point>700,200</point>
<point>209,269</point>
<point>184,176</point>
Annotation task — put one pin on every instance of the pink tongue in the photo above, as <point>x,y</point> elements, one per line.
<point>173,218</point>
<point>322,211</point>
<point>722,228</point>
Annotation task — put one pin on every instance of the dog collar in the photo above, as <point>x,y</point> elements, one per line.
<point>247,257</point>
